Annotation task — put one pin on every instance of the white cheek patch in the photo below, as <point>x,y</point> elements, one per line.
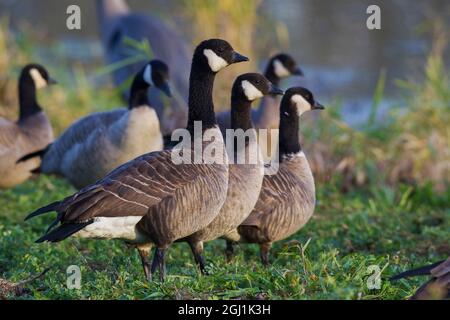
<point>39,81</point>
<point>301,104</point>
<point>250,91</point>
<point>280,70</point>
<point>215,62</point>
<point>148,75</point>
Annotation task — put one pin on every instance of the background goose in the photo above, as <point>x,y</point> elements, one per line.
<point>438,287</point>
<point>96,144</point>
<point>287,198</point>
<point>117,23</point>
<point>245,177</point>
<point>153,200</point>
<point>267,115</point>
<point>31,132</point>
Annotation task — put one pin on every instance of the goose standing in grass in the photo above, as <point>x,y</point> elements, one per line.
<point>267,115</point>
<point>154,200</point>
<point>246,171</point>
<point>117,23</point>
<point>287,198</point>
<point>437,288</point>
<point>96,144</point>
<point>30,133</point>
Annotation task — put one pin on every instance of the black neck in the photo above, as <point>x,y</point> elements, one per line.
<point>289,142</point>
<point>27,98</point>
<point>138,93</point>
<point>271,76</point>
<point>201,106</point>
<point>240,112</point>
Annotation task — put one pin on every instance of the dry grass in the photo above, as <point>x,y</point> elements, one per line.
<point>412,147</point>
<point>234,21</point>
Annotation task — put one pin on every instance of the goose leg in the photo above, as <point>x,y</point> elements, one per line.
<point>160,253</point>
<point>229,251</point>
<point>197,250</point>
<point>144,253</point>
<point>264,252</point>
<point>155,261</point>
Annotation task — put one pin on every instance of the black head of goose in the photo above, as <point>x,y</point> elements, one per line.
<point>281,66</point>
<point>33,77</point>
<point>153,74</point>
<point>98,143</point>
<point>246,170</point>
<point>117,22</point>
<point>152,200</point>
<point>287,198</point>
<point>31,132</point>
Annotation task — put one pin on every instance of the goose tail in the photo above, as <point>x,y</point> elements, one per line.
<point>63,231</point>
<point>48,208</point>
<point>422,271</point>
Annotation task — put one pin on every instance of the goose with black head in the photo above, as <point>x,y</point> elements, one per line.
<point>287,198</point>
<point>246,169</point>
<point>152,200</point>
<point>30,133</point>
<point>100,142</point>
<point>118,24</point>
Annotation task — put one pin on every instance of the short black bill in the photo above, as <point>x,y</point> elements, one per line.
<point>298,72</point>
<point>275,90</point>
<point>318,106</point>
<point>237,57</point>
<point>166,89</point>
<point>51,81</point>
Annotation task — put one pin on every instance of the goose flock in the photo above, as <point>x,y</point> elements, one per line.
<point>134,187</point>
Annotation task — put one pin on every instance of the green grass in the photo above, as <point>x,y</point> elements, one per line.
<point>328,259</point>
<point>383,199</point>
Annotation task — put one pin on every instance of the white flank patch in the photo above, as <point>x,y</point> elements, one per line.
<point>250,91</point>
<point>215,62</point>
<point>112,228</point>
<point>301,104</point>
<point>280,69</point>
<point>148,75</point>
<point>39,81</point>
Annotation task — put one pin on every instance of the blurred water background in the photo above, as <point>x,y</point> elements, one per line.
<point>341,58</point>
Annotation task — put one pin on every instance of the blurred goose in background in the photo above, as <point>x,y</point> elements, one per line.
<point>267,115</point>
<point>31,132</point>
<point>118,23</point>
<point>437,288</point>
<point>246,171</point>
<point>98,143</point>
<point>153,200</point>
<point>287,198</point>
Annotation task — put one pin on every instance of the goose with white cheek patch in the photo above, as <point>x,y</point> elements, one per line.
<point>287,198</point>
<point>30,133</point>
<point>155,200</point>
<point>267,115</point>
<point>98,143</point>
<point>118,24</point>
<point>246,168</point>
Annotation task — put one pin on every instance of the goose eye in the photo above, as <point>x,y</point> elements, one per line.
<point>221,49</point>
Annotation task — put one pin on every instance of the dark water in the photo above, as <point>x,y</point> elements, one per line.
<point>341,58</point>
